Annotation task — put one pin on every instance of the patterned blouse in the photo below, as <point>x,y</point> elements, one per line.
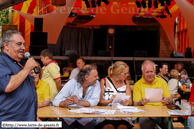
<point>107,95</point>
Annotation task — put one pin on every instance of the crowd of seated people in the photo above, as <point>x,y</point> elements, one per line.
<point>86,81</point>
<point>176,78</point>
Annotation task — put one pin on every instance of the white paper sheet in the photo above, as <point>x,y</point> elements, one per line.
<point>119,97</point>
<point>93,111</point>
<point>154,95</point>
<point>133,110</point>
<point>125,107</point>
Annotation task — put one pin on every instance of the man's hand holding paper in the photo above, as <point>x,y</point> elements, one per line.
<point>144,101</point>
<point>165,100</point>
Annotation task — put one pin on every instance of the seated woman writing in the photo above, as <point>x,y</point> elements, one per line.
<point>110,86</point>
<point>42,88</point>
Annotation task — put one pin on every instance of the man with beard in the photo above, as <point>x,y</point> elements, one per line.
<point>81,91</point>
<point>150,80</point>
<point>18,98</point>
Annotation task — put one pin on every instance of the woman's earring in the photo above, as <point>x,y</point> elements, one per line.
<point>117,79</point>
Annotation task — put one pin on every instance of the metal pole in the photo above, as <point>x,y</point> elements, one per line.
<point>10,16</point>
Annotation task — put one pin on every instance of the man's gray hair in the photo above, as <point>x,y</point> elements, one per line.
<point>7,37</point>
<point>146,62</point>
<point>85,71</point>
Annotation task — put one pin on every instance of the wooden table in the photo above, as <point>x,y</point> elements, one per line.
<point>150,111</point>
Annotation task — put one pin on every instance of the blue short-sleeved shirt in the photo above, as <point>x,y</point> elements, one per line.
<point>20,104</point>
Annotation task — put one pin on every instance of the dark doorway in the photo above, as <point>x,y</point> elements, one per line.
<point>100,38</point>
<point>136,43</point>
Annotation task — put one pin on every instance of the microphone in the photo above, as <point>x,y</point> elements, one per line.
<point>27,55</point>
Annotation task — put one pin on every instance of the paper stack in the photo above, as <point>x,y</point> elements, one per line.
<point>178,112</point>
<point>129,109</point>
<point>93,111</point>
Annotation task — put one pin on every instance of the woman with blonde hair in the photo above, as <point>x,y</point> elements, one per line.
<point>116,82</point>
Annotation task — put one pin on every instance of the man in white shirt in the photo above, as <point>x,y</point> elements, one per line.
<point>80,65</point>
<point>83,91</point>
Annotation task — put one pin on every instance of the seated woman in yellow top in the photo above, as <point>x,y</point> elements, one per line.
<point>42,88</point>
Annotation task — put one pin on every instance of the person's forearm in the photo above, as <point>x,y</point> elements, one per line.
<point>44,104</point>
<point>129,102</point>
<point>58,84</point>
<point>81,103</point>
<point>138,103</point>
<point>62,104</point>
<point>177,96</point>
<point>84,103</point>
<point>16,80</point>
<point>174,97</point>
<point>104,102</point>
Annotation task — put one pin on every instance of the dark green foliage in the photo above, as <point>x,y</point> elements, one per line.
<point>4,17</point>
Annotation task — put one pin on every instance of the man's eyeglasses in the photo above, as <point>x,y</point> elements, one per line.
<point>125,73</point>
<point>20,45</point>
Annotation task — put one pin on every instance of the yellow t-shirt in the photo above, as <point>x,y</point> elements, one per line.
<point>43,91</point>
<point>50,73</point>
<point>139,90</point>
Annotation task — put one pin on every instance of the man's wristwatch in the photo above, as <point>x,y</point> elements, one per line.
<point>173,101</point>
<point>64,103</point>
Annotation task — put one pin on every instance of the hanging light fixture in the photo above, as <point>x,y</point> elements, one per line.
<point>167,11</point>
<point>106,2</point>
<point>87,3</point>
<point>155,4</point>
<point>98,3</point>
<point>138,4</point>
<point>144,4</point>
<point>168,2</point>
<point>93,4</point>
<point>161,2</point>
<point>150,4</point>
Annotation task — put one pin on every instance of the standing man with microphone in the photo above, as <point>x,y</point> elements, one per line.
<point>18,98</point>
